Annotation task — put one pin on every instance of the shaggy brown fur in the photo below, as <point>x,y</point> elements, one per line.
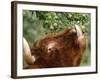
<point>61,50</point>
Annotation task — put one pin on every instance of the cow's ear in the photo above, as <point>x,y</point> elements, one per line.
<point>82,41</point>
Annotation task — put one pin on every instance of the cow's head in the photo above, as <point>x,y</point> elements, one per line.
<point>62,50</point>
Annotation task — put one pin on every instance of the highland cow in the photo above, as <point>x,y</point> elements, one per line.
<point>64,49</point>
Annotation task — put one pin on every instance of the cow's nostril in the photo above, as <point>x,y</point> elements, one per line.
<point>55,50</point>
<point>52,50</point>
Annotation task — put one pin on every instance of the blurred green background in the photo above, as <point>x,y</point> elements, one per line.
<point>36,24</point>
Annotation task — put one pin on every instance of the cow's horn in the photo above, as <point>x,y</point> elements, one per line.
<point>78,30</point>
<point>29,59</point>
